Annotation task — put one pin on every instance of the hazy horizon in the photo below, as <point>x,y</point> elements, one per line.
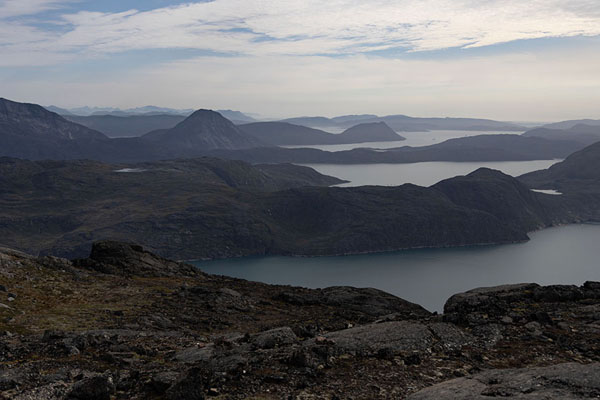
<point>503,60</point>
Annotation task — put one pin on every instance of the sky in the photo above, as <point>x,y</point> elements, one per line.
<point>534,60</point>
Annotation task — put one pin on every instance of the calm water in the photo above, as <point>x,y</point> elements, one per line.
<point>423,174</point>
<point>415,139</point>
<point>563,255</point>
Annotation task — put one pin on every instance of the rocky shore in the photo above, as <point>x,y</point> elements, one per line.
<point>127,324</point>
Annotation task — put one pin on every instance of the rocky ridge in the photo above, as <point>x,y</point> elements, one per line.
<point>127,324</point>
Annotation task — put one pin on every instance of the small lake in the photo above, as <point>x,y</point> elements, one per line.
<point>561,255</point>
<point>423,174</point>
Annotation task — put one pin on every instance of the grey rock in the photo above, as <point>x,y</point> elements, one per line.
<point>564,381</point>
<point>194,354</point>
<point>556,293</point>
<point>274,338</point>
<point>396,337</point>
<point>450,337</point>
<point>129,259</point>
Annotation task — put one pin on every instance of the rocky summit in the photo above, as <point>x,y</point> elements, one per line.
<point>127,324</point>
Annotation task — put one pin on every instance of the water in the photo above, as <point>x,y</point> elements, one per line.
<point>423,174</point>
<point>562,255</point>
<point>415,139</point>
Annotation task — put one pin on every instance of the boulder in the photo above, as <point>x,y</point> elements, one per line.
<point>126,259</point>
<point>569,381</point>
<point>274,338</point>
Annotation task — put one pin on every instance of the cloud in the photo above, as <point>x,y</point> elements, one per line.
<point>309,27</point>
<point>15,8</point>
<point>538,86</point>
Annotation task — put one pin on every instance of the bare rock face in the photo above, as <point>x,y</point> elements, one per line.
<point>364,300</point>
<point>497,304</point>
<point>396,338</point>
<point>118,258</point>
<point>564,381</point>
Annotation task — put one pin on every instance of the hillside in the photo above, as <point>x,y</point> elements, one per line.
<point>571,123</point>
<point>580,172</point>
<point>369,132</point>
<point>30,131</point>
<point>123,323</point>
<point>213,208</point>
<point>286,134</point>
<point>585,134</point>
<point>474,148</point>
<point>202,131</point>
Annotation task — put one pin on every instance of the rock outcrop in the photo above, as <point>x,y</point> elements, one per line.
<point>127,324</point>
<point>567,381</point>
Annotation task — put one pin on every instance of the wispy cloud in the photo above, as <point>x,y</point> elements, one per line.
<point>289,57</point>
<point>309,27</point>
<point>15,8</point>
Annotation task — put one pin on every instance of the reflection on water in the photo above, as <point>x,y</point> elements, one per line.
<point>562,255</point>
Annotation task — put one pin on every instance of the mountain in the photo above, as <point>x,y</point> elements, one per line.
<point>236,117</point>
<point>369,132</point>
<point>98,111</point>
<point>311,122</point>
<point>158,110</point>
<point>31,131</point>
<point>127,126</point>
<point>352,118</point>
<point>202,131</point>
<point>580,172</point>
<point>585,134</point>
<point>59,111</point>
<point>285,134</point>
<point>506,147</point>
<point>571,123</point>
<point>410,124</point>
<point>85,110</point>
<point>209,208</point>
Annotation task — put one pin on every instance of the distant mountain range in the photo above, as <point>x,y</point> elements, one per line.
<point>585,134</point>
<point>232,115</point>
<point>284,134</point>
<point>30,131</point>
<point>505,147</point>
<point>403,123</point>
<point>127,126</point>
<point>572,123</point>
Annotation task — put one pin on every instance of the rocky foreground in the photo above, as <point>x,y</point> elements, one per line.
<point>126,324</point>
